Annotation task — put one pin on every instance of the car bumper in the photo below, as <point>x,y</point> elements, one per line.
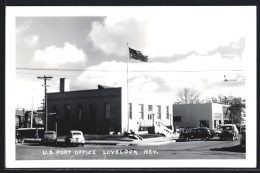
<point>77,142</point>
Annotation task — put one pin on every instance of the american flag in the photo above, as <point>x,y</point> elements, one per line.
<point>137,55</point>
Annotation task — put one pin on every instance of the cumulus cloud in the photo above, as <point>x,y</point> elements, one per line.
<point>112,35</point>
<point>171,32</point>
<point>55,56</point>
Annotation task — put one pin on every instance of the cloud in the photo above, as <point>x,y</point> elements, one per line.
<point>32,41</point>
<point>231,50</point>
<point>112,35</point>
<point>68,55</point>
<point>170,33</point>
<point>203,73</point>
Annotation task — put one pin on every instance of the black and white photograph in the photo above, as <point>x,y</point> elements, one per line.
<point>93,87</point>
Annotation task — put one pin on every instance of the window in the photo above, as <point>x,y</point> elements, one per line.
<point>150,110</point>
<point>215,123</point>
<point>167,112</point>
<point>107,111</point>
<point>79,111</point>
<point>67,112</point>
<point>130,110</point>
<point>158,112</point>
<point>93,111</point>
<point>141,111</point>
<point>219,122</point>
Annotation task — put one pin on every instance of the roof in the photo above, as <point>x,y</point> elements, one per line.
<point>104,87</point>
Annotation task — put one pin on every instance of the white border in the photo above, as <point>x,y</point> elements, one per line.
<point>13,12</point>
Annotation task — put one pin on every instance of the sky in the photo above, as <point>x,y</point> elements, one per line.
<point>191,48</point>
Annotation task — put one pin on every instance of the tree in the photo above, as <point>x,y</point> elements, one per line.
<point>188,96</point>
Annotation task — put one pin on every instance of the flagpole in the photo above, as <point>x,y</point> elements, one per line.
<point>127,108</point>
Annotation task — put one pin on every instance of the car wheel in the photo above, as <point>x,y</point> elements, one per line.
<point>82,145</point>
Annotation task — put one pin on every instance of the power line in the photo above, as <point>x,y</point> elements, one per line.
<point>66,76</point>
<point>102,70</point>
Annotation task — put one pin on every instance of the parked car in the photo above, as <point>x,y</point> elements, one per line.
<point>229,131</point>
<point>197,133</point>
<point>75,137</point>
<point>243,139</point>
<point>49,137</point>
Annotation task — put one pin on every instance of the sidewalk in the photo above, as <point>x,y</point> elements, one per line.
<point>125,141</point>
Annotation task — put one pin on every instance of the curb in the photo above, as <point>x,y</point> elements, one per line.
<point>132,143</point>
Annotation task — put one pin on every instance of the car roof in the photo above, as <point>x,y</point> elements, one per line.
<point>228,125</point>
<point>77,131</point>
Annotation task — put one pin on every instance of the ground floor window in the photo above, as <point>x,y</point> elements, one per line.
<point>107,111</point>
<point>167,112</point>
<point>150,110</point>
<point>67,111</point>
<point>93,111</point>
<point>79,111</point>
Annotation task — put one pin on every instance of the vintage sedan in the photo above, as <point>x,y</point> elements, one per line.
<point>197,133</point>
<point>229,131</point>
<point>75,137</point>
<point>49,137</point>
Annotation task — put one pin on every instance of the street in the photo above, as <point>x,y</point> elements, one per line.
<point>196,149</point>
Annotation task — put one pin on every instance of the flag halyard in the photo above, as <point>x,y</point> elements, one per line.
<point>137,55</point>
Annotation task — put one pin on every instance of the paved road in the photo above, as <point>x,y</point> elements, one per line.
<point>196,149</point>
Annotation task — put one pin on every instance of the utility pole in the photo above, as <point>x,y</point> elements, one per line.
<point>45,94</point>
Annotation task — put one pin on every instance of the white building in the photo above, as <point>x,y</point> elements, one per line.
<point>196,115</point>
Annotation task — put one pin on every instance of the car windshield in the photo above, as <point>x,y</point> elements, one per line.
<point>76,133</point>
<point>227,127</point>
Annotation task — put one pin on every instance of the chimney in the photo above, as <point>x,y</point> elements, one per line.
<point>64,85</point>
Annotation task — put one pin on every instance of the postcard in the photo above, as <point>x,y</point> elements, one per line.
<point>130,87</point>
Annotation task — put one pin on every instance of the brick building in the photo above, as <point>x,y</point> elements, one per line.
<point>104,110</point>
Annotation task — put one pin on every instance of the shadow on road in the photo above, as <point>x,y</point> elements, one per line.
<point>33,144</point>
<point>236,148</point>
